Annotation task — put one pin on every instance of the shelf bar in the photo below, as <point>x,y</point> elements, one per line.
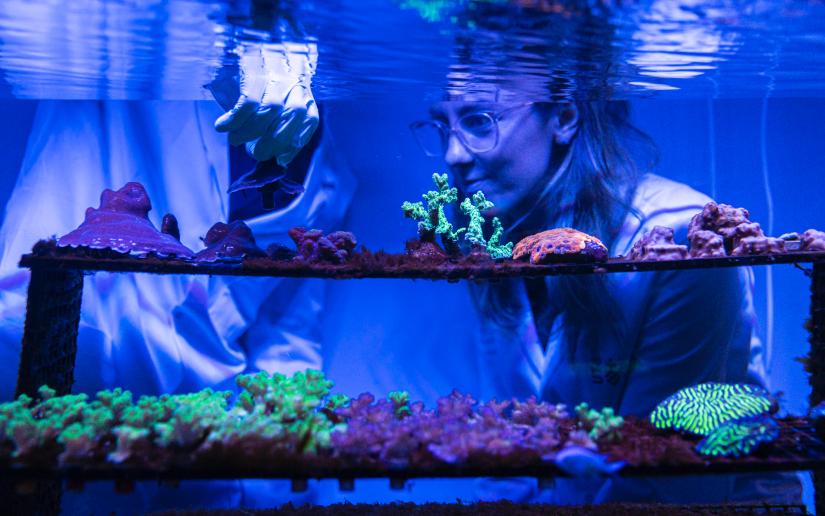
<point>816,365</point>
<point>390,266</point>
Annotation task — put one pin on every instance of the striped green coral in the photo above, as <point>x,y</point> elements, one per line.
<point>703,408</point>
<point>739,437</point>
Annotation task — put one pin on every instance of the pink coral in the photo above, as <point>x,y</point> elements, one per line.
<point>122,224</point>
<point>231,241</point>
<point>314,246</point>
<point>657,245</point>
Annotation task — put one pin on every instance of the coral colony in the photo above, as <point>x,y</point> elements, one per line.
<point>734,418</point>
<point>276,417</point>
<point>657,245</point>
<point>298,419</point>
<point>702,408</point>
<point>432,220</point>
<point>229,242</point>
<point>550,245</point>
<point>121,224</point>
<point>739,437</point>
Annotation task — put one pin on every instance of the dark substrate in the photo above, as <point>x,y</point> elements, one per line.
<point>492,508</point>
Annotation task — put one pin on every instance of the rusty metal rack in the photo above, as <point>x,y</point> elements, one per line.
<point>53,312</point>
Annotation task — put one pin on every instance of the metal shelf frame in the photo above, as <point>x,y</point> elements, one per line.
<point>49,349</point>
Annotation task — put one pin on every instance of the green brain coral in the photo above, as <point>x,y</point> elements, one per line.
<point>739,437</point>
<point>703,408</point>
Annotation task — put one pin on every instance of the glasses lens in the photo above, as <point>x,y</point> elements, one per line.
<point>430,137</point>
<point>480,131</point>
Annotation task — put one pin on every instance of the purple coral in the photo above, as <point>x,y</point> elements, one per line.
<point>813,240</point>
<point>716,217</point>
<point>122,224</point>
<point>704,243</point>
<point>232,241</point>
<point>740,236</point>
<point>657,245</point>
<point>314,246</point>
<point>754,245</point>
<point>459,431</point>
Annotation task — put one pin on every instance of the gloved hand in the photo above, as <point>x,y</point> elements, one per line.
<point>276,114</point>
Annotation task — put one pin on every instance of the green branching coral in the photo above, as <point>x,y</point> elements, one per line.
<point>73,429</point>
<point>472,207</point>
<point>433,219</point>
<point>739,437</point>
<point>181,421</point>
<point>703,408</point>
<point>604,425</point>
<point>294,410</point>
<point>401,403</point>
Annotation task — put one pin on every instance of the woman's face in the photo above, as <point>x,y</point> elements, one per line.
<point>511,170</point>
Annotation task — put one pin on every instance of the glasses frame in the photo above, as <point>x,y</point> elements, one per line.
<point>447,131</point>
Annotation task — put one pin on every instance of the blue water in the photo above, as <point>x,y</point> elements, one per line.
<point>732,92</point>
<point>151,49</point>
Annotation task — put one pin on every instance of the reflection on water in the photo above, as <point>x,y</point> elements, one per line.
<point>149,49</point>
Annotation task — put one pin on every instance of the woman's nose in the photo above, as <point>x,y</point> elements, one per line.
<point>457,153</point>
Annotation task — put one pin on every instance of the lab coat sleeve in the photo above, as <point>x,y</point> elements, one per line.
<point>277,320</point>
<point>698,328</point>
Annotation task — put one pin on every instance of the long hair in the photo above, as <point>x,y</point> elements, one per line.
<point>601,170</point>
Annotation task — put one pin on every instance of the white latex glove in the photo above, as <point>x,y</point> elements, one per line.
<point>276,114</point>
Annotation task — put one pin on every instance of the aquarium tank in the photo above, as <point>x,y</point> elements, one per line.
<point>436,256</point>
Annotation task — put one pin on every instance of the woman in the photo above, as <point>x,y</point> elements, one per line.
<point>625,341</point>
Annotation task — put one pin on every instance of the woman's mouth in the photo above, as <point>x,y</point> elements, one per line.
<point>473,185</point>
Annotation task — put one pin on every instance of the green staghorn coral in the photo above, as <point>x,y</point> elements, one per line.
<point>739,437</point>
<point>703,408</point>
<point>432,220</point>
<point>472,207</point>
<point>604,425</point>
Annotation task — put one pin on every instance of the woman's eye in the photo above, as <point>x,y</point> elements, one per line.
<point>478,123</point>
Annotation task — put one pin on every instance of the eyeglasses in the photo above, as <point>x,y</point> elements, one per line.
<point>477,131</point>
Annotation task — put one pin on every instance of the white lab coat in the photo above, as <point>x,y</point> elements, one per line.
<point>682,328</point>
<point>696,325</point>
<point>157,334</point>
<point>679,328</point>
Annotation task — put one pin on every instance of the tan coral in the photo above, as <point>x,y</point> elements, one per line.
<point>657,245</point>
<point>556,244</point>
<point>813,240</point>
<point>755,245</point>
<point>704,243</point>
